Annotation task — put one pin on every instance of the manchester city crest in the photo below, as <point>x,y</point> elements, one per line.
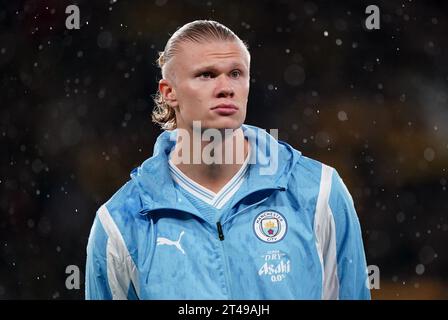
<point>270,226</point>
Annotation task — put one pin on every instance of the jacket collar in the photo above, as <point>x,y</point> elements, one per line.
<point>266,171</point>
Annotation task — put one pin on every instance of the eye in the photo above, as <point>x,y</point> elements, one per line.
<point>235,73</point>
<point>206,75</point>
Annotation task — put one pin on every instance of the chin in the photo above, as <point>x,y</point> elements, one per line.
<point>224,124</point>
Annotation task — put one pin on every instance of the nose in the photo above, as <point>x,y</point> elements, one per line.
<point>224,87</point>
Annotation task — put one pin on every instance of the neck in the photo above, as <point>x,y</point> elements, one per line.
<point>211,163</point>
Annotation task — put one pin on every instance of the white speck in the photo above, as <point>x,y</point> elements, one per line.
<point>338,42</point>
<point>342,116</point>
<point>429,154</point>
<point>30,223</point>
<point>420,269</point>
<point>325,33</point>
<point>401,217</point>
<point>403,97</point>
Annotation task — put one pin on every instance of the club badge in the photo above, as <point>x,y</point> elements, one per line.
<point>270,226</point>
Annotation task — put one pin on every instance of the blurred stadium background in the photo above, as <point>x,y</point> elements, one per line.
<point>75,119</point>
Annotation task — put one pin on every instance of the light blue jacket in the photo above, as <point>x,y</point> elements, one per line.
<point>290,234</point>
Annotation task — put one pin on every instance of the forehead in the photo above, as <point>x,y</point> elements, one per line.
<point>192,54</point>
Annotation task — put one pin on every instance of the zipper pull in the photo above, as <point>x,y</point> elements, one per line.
<point>220,233</point>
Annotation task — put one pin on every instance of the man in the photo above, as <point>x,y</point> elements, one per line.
<point>239,216</point>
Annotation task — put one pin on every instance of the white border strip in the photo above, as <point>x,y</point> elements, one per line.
<point>325,236</point>
<point>121,269</point>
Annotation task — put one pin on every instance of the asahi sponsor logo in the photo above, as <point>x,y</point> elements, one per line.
<point>276,266</point>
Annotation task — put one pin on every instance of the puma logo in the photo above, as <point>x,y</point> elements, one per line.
<point>161,241</point>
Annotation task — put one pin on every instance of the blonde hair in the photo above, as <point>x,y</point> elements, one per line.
<point>198,31</point>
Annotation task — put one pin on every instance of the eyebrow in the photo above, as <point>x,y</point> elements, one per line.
<point>214,68</point>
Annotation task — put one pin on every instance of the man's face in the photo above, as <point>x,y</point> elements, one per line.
<point>208,82</point>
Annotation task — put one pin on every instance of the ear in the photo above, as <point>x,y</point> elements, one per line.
<point>168,93</point>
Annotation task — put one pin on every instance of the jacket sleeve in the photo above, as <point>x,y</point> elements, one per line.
<point>110,271</point>
<point>350,256</point>
<point>97,285</point>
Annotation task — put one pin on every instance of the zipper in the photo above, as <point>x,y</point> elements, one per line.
<point>220,233</point>
<point>224,258</point>
<point>219,225</point>
<point>221,238</point>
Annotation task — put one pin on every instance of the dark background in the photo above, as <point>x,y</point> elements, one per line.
<point>75,111</point>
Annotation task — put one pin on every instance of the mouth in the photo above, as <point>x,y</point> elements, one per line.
<point>225,109</point>
<point>225,106</point>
